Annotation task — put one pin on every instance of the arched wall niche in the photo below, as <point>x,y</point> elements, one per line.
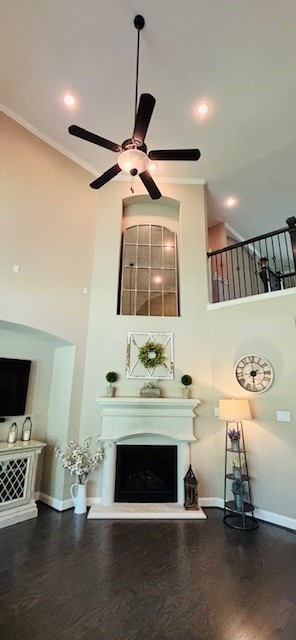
<point>141,210</point>
<point>136,209</point>
<point>34,333</point>
<point>49,393</point>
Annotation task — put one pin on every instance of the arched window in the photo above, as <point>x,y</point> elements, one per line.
<point>148,274</point>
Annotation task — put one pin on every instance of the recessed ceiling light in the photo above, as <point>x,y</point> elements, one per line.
<point>230,202</point>
<point>69,100</point>
<point>203,108</point>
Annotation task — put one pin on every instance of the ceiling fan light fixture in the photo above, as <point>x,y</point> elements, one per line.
<point>153,166</point>
<point>133,161</point>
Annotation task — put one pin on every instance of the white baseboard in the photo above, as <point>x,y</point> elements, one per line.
<point>63,505</point>
<point>276,518</point>
<point>211,502</point>
<point>58,505</point>
<point>261,514</point>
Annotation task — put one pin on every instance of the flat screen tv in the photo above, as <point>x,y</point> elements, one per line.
<point>14,380</point>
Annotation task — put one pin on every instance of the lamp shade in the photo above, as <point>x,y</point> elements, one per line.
<point>234,409</point>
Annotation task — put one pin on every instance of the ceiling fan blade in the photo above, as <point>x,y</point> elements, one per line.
<point>175,154</point>
<point>150,185</point>
<point>105,177</point>
<point>143,117</point>
<point>92,137</point>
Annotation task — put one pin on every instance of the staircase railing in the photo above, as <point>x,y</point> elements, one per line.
<point>259,265</point>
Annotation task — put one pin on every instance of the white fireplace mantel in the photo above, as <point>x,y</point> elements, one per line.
<point>123,417</point>
<point>146,421</point>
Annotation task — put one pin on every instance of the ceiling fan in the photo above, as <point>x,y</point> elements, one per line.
<point>133,157</point>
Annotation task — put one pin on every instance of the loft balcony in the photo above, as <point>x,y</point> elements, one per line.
<point>259,265</point>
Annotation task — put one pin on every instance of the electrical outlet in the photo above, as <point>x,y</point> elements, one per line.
<point>216,412</point>
<point>283,416</point>
<point>16,268</point>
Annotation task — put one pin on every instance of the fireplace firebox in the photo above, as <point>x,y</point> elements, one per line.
<point>146,473</point>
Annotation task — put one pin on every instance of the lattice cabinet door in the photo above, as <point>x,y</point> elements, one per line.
<point>16,469</point>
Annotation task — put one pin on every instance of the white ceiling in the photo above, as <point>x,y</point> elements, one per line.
<point>239,55</point>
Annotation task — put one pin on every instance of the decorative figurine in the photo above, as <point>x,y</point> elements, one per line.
<point>150,390</point>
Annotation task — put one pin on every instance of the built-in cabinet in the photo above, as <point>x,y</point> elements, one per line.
<point>18,468</point>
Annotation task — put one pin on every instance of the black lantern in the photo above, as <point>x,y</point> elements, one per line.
<point>190,490</point>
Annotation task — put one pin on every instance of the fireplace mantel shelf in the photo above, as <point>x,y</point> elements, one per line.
<point>116,399</point>
<point>124,417</point>
<point>138,401</point>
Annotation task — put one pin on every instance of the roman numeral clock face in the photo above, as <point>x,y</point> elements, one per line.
<point>254,373</point>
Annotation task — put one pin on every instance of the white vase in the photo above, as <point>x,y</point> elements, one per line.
<point>80,498</point>
<point>186,392</point>
<point>110,392</point>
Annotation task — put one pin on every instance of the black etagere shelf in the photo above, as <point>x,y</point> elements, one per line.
<point>238,512</point>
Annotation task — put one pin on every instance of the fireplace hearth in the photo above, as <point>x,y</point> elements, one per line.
<point>146,473</point>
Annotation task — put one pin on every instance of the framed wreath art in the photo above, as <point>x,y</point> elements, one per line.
<point>150,355</point>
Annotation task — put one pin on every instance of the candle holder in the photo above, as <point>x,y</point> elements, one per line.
<point>12,433</point>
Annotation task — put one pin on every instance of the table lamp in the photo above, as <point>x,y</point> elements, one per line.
<point>234,410</point>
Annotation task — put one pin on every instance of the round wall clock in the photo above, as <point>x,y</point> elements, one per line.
<point>254,373</point>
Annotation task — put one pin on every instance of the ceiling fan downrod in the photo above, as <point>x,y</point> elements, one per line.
<point>139,23</point>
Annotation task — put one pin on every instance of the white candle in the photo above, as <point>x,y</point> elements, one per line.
<point>11,437</point>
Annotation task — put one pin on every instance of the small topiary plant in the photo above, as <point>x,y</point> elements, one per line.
<point>111,377</point>
<point>186,380</point>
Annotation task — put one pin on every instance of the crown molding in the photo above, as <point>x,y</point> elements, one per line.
<point>72,156</point>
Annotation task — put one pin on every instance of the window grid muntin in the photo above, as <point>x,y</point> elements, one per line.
<point>167,239</point>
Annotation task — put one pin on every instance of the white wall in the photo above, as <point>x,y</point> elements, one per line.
<point>107,335</point>
<point>55,483</point>
<point>48,219</point>
<point>266,326</point>
<point>208,341</point>
<point>47,225</point>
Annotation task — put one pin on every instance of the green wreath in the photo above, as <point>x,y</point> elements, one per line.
<point>152,354</point>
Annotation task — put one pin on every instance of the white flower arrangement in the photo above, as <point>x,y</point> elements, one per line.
<point>79,459</point>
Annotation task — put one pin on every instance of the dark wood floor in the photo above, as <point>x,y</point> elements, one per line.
<point>64,577</point>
